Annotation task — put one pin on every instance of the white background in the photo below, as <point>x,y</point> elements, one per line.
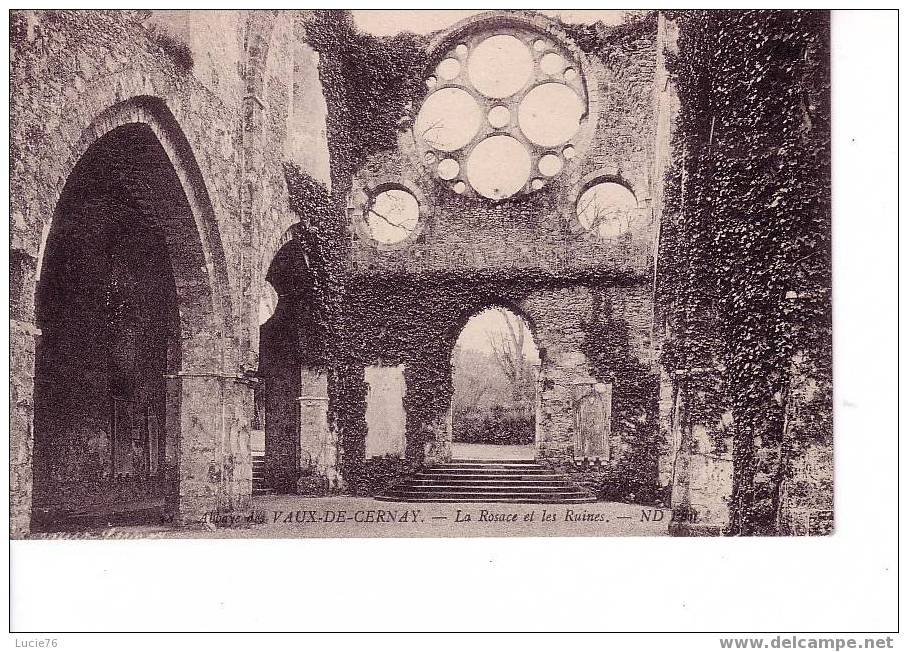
<point>845,582</point>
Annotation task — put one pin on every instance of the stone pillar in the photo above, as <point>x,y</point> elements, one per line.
<point>558,317</point>
<point>239,406</point>
<point>705,489</point>
<point>318,443</point>
<point>21,441</point>
<point>437,448</point>
<point>702,478</point>
<point>563,368</point>
<point>428,406</point>
<point>208,463</point>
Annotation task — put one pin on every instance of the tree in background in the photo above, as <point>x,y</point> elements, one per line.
<point>508,353</point>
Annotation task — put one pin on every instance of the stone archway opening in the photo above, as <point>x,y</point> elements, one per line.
<point>292,449</point>
<point>495,364</point>
<point>108,311</point>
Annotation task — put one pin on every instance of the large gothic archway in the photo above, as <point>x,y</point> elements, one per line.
<point>135,416</point>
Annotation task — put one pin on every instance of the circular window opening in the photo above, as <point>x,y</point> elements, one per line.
<point>552,63</point>
<point>498,167</point>
<point>392,215</point>
<point>513,81</point>
<point>448,169</point>
<point>448,119</point>
<point>499,117</point>
<point>550,114</point>
<point>550,165</point>
<point>448,69</point>
<point>500,66</point>
<point>606,209</point>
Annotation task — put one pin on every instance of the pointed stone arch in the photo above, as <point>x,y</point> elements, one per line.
<point>138,146</point>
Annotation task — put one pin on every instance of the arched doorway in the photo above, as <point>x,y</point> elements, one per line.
<point>123,300</point>
<point>495,365</point>
<point>297,453</point>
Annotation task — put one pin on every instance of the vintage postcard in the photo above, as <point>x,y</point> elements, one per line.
<point>440,274</point>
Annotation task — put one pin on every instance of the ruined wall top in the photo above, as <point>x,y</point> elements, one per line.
<point>525,152</point>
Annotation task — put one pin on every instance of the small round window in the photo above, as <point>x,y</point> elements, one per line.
<point>392,215</point>
<point>606,209</point>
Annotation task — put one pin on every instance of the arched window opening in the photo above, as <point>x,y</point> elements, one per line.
<point>495,365</point>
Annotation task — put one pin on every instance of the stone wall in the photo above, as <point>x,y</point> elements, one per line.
<point>528,253</point>
<point>215,89</point>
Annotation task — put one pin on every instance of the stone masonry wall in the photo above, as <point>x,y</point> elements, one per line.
<point>216,89</point>
<point>527,253</point>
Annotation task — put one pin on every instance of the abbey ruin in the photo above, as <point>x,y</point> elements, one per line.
<point>252,238</point>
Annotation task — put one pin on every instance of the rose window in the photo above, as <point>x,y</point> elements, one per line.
<point>501,114</point>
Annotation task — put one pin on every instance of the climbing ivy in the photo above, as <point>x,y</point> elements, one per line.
<point>372,88</point>
<point>370,85</point>
<point>746,234</point>
<point>635,409</point>
<point>598,38</point>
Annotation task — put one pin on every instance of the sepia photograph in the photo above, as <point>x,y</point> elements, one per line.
<point>285,274</point>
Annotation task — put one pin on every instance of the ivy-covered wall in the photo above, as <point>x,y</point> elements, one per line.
<point>744,270</point>
<point>384,307</point>
<point>728,398</point>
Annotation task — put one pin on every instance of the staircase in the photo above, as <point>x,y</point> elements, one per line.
<point>487,481</point>
<point>258,475</point>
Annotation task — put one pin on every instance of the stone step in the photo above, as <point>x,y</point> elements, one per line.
<point>482,482</point>
<point>501,478</point>
<point>464,491</point>
<point>492,488</point>
<point>489,465</point>
<point>487,472</point>
<point>517,481</point>
<point>485,462</point>
<point>527,500</point>
<point>258,475</point>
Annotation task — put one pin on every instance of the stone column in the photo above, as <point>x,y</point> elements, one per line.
<point>208,464</point>
<point>558,317</point>
<point>700,494</point>
<point>239,405</point>
<point>438,446</point>
<point>702,477</point>
<point>21,441</point>
<point>556,425</point>
<point>318,443</point>
<point>427,403</point>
